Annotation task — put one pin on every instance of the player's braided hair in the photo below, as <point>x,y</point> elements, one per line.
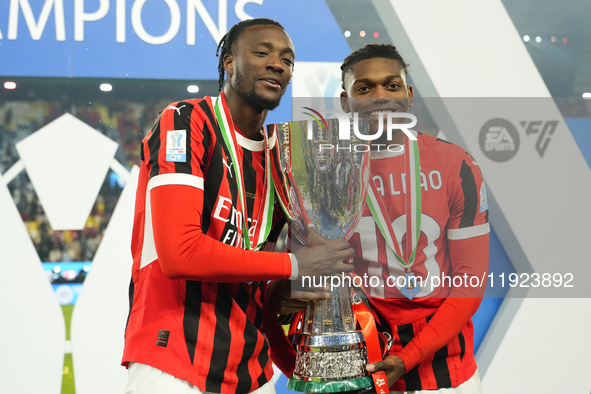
<point>370,51</point>
<point>228,40</point>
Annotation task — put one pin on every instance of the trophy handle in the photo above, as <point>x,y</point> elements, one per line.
<point>284,141</point>
<point>281,166</point>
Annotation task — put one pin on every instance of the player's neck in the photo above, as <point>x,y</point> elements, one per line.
<point>245,117</point>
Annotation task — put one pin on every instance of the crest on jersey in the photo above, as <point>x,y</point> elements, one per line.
<point>176,145</point>
<point>483,200</point>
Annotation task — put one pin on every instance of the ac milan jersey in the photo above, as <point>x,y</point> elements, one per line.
<point>207,333</point>
<point>454,207</point>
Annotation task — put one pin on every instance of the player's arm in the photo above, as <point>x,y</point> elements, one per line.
<point>176,204</point>
<point>451,316</point>
<point>185,252</point>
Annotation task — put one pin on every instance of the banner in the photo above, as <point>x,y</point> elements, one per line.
<point>162,39</point>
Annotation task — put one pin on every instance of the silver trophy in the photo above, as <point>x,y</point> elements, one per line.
<point>323,186</point>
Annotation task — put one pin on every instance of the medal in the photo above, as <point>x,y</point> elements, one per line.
<point>413,217</point>
<point>411,288</point>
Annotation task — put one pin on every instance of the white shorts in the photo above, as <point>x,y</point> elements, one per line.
<point>470,386</point>
<point>144,379</point>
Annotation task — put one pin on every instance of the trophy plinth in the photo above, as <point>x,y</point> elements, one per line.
<point>324,188</point>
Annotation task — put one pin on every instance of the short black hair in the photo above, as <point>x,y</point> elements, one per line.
<point>370,51</point>
<point>228,40</point>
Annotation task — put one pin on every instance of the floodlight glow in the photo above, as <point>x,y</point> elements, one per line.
<point>347,33</point>
<point>192,88</point>
<point>587,95</point>
<point>106,87</point>
<point>538,39</point>
<point>9,85</point>
<point>526,38</point>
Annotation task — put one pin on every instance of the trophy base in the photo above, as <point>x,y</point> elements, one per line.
<point>338,386</point>
<point>330,363</point>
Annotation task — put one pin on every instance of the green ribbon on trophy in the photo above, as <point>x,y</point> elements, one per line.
<point>265,214</point>
<point>413,216</point>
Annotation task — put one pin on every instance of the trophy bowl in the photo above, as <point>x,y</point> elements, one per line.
<point>321,180</point>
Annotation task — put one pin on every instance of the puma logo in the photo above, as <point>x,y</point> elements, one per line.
<point>178,110</point>
<point>229,167</point>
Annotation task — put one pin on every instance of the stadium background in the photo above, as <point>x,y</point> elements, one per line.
<point>66,201</point>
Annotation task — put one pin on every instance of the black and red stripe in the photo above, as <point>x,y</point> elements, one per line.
<point>434,372</point>
<point>471,196</point>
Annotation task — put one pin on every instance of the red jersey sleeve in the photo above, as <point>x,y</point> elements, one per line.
<point>185,252</point>
<point>469,205</point>
<point>179,141</point>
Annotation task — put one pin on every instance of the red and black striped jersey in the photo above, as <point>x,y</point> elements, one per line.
<point>454,209</point>
<point>205,327</point>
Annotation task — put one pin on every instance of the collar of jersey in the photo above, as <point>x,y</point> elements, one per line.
<point>385,154</point>
<point>252,145</point>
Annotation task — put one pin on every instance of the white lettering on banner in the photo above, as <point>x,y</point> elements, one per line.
<point>36,27</point>
<point>175,23</point>
<point>120,21</point>
<point>216,32</point>
<point>239,8</point>
<point>80,17</point>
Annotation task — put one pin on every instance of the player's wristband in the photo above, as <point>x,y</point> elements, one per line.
<point>294,267</point>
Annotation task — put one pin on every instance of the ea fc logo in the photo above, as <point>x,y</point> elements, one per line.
<point>499,140</point>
